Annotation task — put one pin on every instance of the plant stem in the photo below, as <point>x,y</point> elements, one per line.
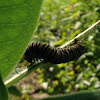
<point>22,72</point>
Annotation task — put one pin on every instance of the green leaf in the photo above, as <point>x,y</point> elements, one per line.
<point>83,95</point>
<point>18,20</point>
<point>13,90</point>
<point>3,91</point>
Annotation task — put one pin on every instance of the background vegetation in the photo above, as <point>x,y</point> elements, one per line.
<point>60,21</point>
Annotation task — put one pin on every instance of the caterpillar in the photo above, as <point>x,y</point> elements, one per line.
<point>38,51</point>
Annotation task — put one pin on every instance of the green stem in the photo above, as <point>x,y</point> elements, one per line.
<point>22,72</point>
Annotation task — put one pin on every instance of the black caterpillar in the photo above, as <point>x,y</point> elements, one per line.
<point>37,51</point>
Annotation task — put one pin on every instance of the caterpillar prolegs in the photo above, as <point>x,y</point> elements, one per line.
<point>38,50</point>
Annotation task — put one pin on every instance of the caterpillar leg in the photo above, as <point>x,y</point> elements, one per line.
<point>67,46</point>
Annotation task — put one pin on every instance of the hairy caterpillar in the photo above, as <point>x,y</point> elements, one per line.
<point>38,50</point>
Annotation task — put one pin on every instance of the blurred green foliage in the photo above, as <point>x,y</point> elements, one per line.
<point>60,21</point>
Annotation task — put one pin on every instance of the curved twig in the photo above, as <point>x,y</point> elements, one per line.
<point>20,73</point>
